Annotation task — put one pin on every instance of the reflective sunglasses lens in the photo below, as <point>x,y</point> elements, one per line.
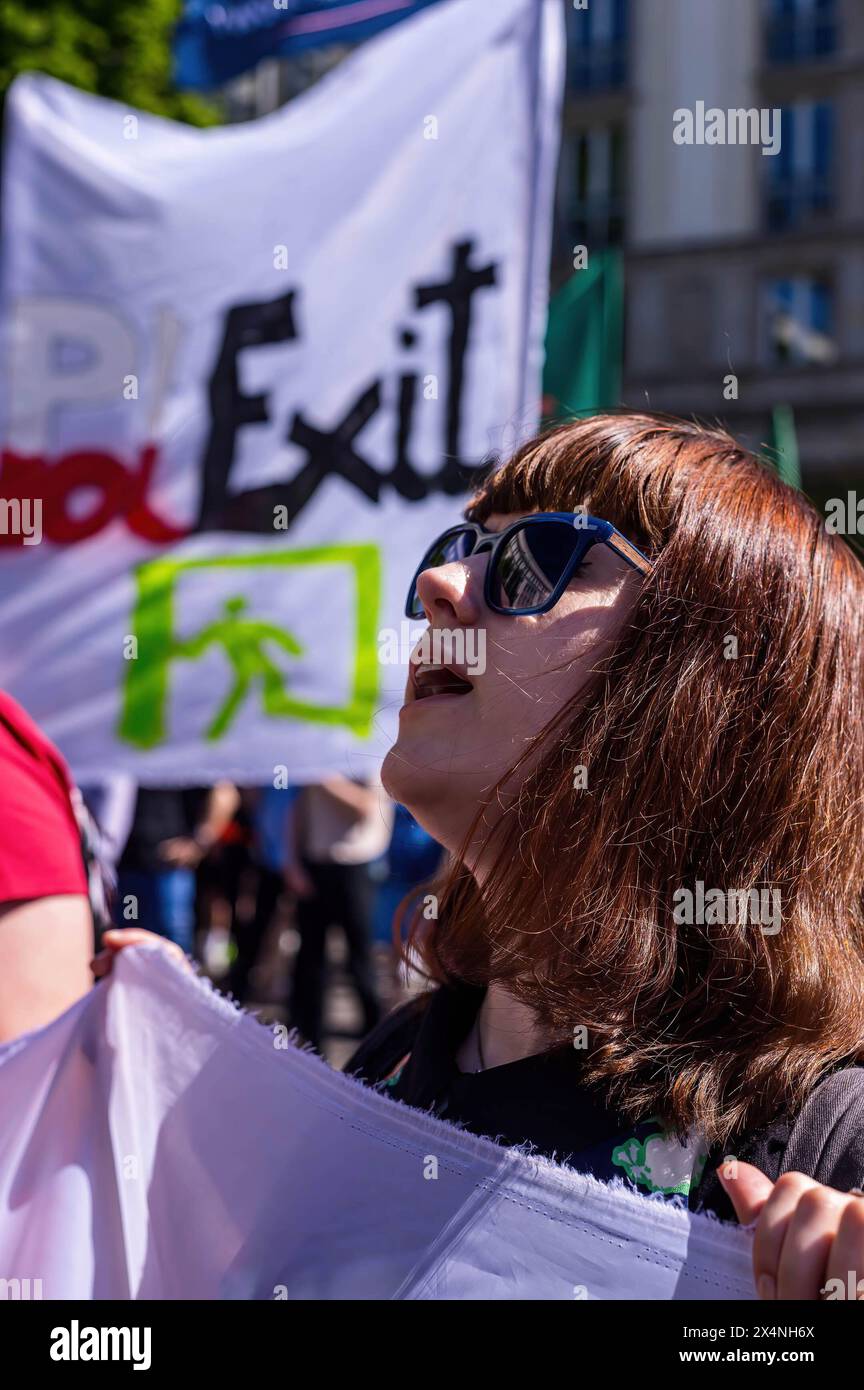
<point>532,561</point>
<point>444,551</point>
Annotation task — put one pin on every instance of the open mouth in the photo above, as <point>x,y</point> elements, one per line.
<point>428,680</point>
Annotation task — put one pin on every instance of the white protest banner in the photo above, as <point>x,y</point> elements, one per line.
<point>248,372</point>
<point>167,1145</point>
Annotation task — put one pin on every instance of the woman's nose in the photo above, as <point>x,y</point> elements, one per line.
<point>454,592</point>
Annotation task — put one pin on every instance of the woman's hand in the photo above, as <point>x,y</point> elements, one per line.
<point>118,937</point>
<point>182,852</point>
<point>806,1234</point>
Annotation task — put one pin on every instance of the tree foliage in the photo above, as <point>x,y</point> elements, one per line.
<point>118,48</point>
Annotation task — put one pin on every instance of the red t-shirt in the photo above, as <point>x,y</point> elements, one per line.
<point>40,848</point>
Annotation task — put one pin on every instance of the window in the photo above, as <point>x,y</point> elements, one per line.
<point>597,45</point>
<point>800,30</point>
<point>800,176</point>
<point>798,320</point>
<point>592,188</point>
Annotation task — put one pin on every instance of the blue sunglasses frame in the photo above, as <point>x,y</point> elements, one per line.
<point>593,529</point>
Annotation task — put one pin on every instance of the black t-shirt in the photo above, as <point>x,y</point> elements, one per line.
<point>541,1101</point>
<point>538,1101</point>
<point>161,813</point>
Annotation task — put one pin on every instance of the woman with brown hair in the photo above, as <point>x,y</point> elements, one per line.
<point>649,950</point>
<point>649,947</point>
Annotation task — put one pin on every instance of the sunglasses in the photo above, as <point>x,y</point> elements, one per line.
<point>531,562</point>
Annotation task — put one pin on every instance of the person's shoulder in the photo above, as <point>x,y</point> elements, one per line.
<point>827,1138</point>
<point>823,1139</point>
<point>384,1047</point>
<point>23,729</point>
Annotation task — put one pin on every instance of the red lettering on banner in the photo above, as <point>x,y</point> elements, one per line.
<point>122,495</point>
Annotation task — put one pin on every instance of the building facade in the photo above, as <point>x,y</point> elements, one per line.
<point>744,270</point>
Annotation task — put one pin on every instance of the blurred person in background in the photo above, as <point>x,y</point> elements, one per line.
<point>220,880</point>
<point>269,856</point>
<point>46,925</point>
<point>111,803</point>
<point>340,827</point>
<point>172,829</point>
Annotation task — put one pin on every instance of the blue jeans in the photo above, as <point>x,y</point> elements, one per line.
<point>165,901</point>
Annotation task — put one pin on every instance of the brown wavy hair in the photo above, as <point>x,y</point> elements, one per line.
<point>742,772</point>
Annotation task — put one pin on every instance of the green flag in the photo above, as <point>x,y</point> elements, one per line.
<point>785,445</point>
<point>584,339</point>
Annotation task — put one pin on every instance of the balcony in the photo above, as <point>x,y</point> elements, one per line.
<point>595,222</point>
<point>799,204</point>
<point>597,46</point>
<point>598,66</point>
<point>802,36</point>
